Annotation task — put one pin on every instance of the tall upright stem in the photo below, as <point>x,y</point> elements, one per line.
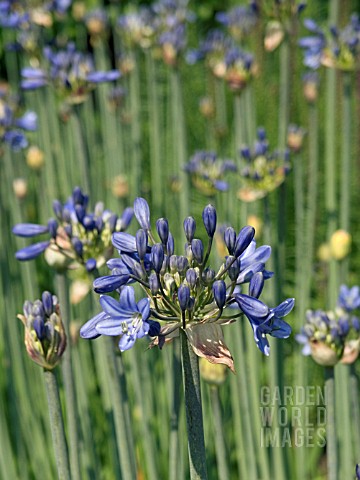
<point>57,426</point>
<point>331,451</point>
<point>193,407</point>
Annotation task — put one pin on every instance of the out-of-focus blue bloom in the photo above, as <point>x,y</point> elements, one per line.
<point>125,317</point>
<point>184,291</point>
<point>12,125</point>
<point>76,236</point>
<point>70,72</point>
<point>263,170</point>
<point>207,172</point>
<point>335,48</point>
<point>349,298</point>
<point>333,336</point>
<point>240,20</point>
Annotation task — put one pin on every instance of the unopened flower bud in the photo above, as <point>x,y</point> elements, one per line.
<point>183,296</point>
<point>45,338</point>
<point>157,256</point>
<point>243,240</point>
<point>233,269</point>
<point>191,277</point>
<point>230,239</point>
<point>208,276</point>
<point>182,264</point>
<point>170,245</point>
<point>219,291</point>
<point>256,285</point>
<point>162,227</point>
<point>189,228</point>
<point>197,248</point>
<point>141,243</point>
<point>209,219</point>
<point>154,284</point>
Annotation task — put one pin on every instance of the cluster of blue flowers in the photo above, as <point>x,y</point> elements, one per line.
<point>333,336</point>
<point>70,72</point>
<point>183,291</point>
<point>12,125</point>
<point>77,237</point>
<point>239,20</point>
<point>207,172</point>
<point>338,48</point>
<point>263,170</point>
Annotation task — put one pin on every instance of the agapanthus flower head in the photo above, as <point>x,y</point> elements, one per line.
<point>240,69</point>
<point>334,48</point>
<point>76,236</point>
<point>263,170</point>
<point>70,72</point>
<point>182,291</point>
<point>330,337</point>
<point>239,20</point>
<point>13,125</point>
<point>295,137</point>
<point>137,28</point>
<point>96,22</point>
<point>45,337</point>
<point>208,172</point>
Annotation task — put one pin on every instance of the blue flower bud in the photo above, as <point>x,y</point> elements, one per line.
<point>173,263</point>
<point>219,291</point>
<point>66,215</point>
<point>234,269</point>
<point>170,246</point>
<point>191,277</point>
<point>78,197</point>
<point>191,303</point>
<point>243,240</point>
<point>154,283</point>
<point>355,323</point>
<point>162,227</point>
<point>189,228</point>
<point>39,327</point>
<point>142,213</point>
<point>154,328</point>
<point>29,229</point>
<point>89,222</point>
<point>126,218</point>
<point>157,256</point>
<point>27,308</point>
<point>208,276</point>
<point>68,230</point>
<point>197,248</point>
<point>90,265</point>
<point>256,285</point>
<point>38,309</point>
<point>141,243</point>
<point>78,246</point>
<point>230,239</point>
<point>182,264</point>
<point>52,225</point>
<point>183,296</point>
<point>32,251</point>
<point>99,224</point>
<point>80,212</point>
<point>58,209</point>
<point>47,301</point>
<point>209,219</point>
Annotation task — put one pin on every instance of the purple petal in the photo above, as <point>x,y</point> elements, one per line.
<point>252,306</point>
<point>109,326</point>
<point>109,283</point>
<point>142,213</point>
<point>126,342</point>
<point>127,299</point>
<point>31,252</point>
<point>29,229</point>
<point>144,308</point>
<point>247,273</point>
<point>113,308</point>
<point>88,329</point>
<point>261,254</point>
<point>280,329</point>
<point>124,242</point>
<point>284,308</point>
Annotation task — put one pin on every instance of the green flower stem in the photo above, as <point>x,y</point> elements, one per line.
<point>284,92</point>
<point>331,450</point>
<point>135,128</point>
<point>69,383</point>
<point>125,450</point>
<point>239,138</point>
<point>155,137</point>
<point>354,395</point>
<point>221,123</point>
<point>81,148</point>
<point>220,447</point>
<point>175,411</point>
<point>330,162</point>
<point>193,407</point>
<point>344,416</point>
<point>57,426</point>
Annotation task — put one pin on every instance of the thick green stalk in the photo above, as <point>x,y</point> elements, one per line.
<point>57,426</point>
<point>68,375</point>
<point>175,411</point>
<point>193,407</point>
<point>220,447</point>
<point>81,148</point>
<point>136,153</point>
<point>331,437</point>
<point>344,416</point>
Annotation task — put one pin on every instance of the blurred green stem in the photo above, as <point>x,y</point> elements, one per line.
<point>70,396</point>
<point>194,419</point>
<point>175,410</point>
<point>331,448</point>
<point>220,447</point>
<point>57,426</point>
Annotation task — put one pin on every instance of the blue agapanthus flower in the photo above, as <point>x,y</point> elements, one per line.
<point>76,236</point>
<point>70,72</point>
<point>182,291</point>
<point>349,298</point>
<point>124,318</point>
<point>12,125</point>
